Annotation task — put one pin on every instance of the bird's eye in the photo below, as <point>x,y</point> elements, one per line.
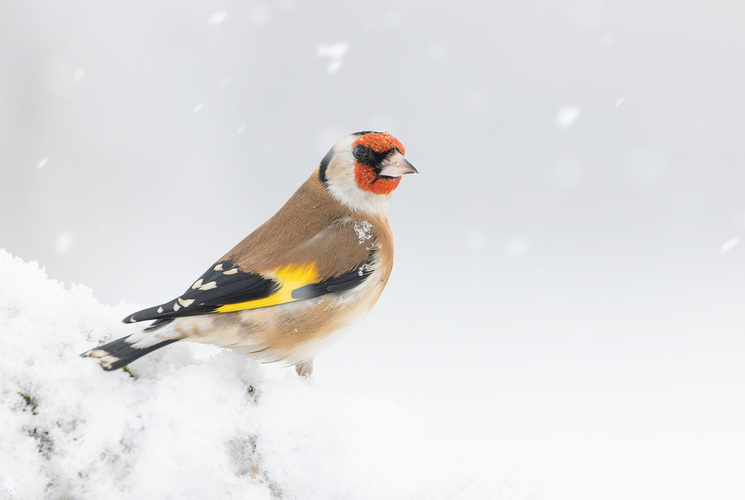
<point>361,153</point>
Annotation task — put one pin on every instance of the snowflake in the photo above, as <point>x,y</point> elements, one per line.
<point>363,230</point>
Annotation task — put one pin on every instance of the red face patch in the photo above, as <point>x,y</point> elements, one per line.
<point>368,179</point>
<point>380,142</point>
<point>365,175</point>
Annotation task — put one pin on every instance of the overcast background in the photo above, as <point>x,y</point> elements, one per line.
<point>569,285</point>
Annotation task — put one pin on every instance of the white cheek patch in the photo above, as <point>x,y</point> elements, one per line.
<point>344,188</point>
<point>342,185</point>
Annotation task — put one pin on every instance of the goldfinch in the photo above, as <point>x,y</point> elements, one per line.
<point>302,279</point>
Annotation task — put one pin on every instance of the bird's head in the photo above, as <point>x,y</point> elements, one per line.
<point>363,169</point>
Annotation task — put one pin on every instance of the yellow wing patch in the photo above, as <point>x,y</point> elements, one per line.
<point>290,278</point>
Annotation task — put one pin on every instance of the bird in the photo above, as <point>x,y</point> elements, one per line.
<point>302,279</point>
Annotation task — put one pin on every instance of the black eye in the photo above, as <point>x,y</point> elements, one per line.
<point>361,153</point>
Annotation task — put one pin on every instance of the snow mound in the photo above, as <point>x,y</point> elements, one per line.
<point>185,425</point>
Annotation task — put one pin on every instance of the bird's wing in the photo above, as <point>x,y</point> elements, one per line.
<point>335,260</point>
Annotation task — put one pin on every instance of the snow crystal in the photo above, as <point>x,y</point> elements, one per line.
<point>43,162</point>
<point>183,425</point>
<point>63,243</point>
<point>729,245</point>
<point>566,116</point>
<point>217,18</point>
<point>335,52</point>
<point>363,230</point>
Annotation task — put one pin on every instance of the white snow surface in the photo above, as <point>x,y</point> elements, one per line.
<point>192,425</point>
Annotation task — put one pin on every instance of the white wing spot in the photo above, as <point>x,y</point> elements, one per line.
<point>208,286</point>
<point>218,267</point>
<point>363,230</point>
<point>160,310</point>
<point>231,271</point>
<point>185,303</point>
<point>197,284</point>
<point>176,307</point>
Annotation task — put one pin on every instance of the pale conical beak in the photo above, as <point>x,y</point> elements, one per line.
<point>395,165</point>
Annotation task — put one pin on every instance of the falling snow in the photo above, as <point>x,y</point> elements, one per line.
<point>63,243</point>
<point>335,53</point>
<point>567,116</point>
<point>729,245</point>
<point>217,18</point>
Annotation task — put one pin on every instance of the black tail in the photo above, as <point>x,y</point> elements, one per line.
<point>123,351</point>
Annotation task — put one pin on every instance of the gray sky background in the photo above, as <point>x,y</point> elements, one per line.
<point>568,290</point>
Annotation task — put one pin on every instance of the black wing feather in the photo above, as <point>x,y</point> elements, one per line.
<point>238,287</point>
<point>335,284</point>
<point>230,288</point>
